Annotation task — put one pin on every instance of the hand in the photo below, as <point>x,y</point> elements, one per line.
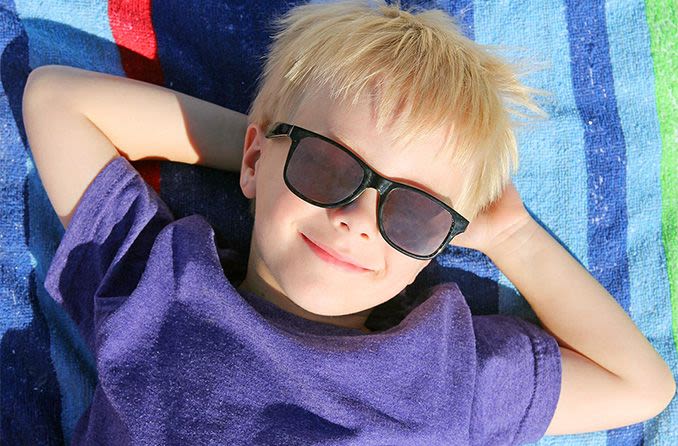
<point>497,222</point>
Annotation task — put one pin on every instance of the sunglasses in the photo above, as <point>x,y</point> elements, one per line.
<point>324,173</point>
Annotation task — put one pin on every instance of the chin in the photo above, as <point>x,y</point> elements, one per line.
<point>325,306</point>
<point>331,296</point>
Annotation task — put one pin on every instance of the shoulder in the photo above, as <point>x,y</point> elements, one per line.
<point>105,247</point>
<point>518,378</point>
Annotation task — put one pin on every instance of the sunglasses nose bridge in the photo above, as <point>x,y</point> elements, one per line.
<point>374,181</point>
<point>377,182</point>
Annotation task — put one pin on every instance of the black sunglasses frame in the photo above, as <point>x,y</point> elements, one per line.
<point>370,179</point>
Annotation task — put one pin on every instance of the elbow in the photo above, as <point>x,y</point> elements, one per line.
<point>662,395</point>
<point>669,385</point>
<point>39,82</point>
<point>670,393</point>
<point>654,394</point>
<point>47,80</point>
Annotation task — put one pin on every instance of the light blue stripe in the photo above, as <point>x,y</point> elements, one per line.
<point>650,306</point>
<point>552,174</point>
<point>70,33</point>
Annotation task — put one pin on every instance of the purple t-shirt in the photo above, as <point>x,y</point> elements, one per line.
<point>184,358</point>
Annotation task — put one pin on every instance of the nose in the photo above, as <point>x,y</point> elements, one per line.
<point>359,216</point>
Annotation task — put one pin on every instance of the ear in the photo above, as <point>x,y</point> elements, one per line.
<point>251,154</point>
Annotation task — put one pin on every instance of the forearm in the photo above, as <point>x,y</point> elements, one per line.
<point>146,121</point>
<point>575,308</point>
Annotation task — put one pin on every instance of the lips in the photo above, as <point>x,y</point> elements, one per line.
<point>332,256</point>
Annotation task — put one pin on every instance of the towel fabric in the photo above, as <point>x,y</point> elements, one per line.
<point>600,175</point>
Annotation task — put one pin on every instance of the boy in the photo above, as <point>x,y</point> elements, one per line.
<point>376,138</point>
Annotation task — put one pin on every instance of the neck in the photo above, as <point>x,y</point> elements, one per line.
<point>354,321</point>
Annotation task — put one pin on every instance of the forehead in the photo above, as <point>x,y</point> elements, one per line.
<point>412,162</point>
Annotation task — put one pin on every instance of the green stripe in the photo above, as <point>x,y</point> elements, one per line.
<point>663,22</point>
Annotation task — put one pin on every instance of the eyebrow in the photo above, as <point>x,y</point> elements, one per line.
<point>330,134</point>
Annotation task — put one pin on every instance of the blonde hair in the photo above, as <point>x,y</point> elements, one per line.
<point>426,75</point>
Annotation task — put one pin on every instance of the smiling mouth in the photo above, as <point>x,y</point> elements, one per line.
<point>327,257</point>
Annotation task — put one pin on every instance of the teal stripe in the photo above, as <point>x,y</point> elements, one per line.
<point>552,174</point>
<point>650,305</point>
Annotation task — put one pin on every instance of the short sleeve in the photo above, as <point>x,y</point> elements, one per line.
<point>518,381</point>
<point>106,245</point>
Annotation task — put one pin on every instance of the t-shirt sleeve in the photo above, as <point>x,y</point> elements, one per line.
<point>518,381</point>
<point>106,245</point>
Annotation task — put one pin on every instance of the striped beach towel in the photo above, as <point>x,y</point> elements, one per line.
<point>600,174</point>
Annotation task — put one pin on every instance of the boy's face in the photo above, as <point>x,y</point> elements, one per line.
<point>284,267</point>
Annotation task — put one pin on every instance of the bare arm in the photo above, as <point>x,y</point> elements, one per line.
<point>78,120</point>
<point>612,375</point>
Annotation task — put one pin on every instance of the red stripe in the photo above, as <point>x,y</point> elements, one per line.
<point>134,35</point>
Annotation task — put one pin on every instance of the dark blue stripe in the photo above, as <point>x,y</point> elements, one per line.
<point>605,161</point>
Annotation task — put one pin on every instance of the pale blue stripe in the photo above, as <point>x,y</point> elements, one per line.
<point>70,33</point>
<point>650,305</point>
<point>552,174</point>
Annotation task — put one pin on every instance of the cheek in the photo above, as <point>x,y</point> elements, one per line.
<point>398,273</point>
<point>272,196</point>
<point>278,214</point>
<point>403,269</point>
<point>281,210</point>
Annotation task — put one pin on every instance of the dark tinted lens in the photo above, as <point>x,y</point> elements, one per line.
<point>414,222</point>
<point>323,172</point>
